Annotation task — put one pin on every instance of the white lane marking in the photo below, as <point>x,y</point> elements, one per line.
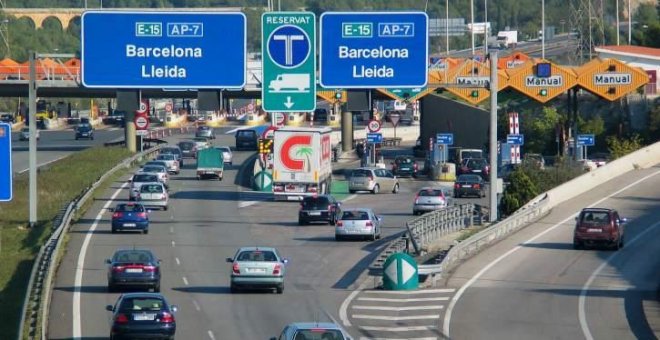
<point>173,244</point>
<point>582,315</point>
<point>343,315</point>
<point>471,281</point>
<point>428,338</point>
<point>398,309</point>
<point>171,230</point>
<point>349,198</point>
<point>243,204</point>
<point>185,281</point>
<point>211,335</point>
<point>395,318</point>
<point>399,329</point>
<point>407,292</point>
<point>442,298</point>
<point>178,263</point>
<point>80,266</point>
<point>197,307</point>
<point>44,163</point>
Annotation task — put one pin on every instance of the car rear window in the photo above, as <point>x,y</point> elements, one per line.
<point>257,256</point>
<point>316,202</point>
<point>355,215</point>
<point>245,133</point>
<point>151,188</point>
<point>186,145</point>
<point>166,157</point>
<point>404,160</point>
<point>145,178</point>
<point>596,217</point>
<point>130,208</point>
<point>430,192</point>
<point>133,256</point>
<point>476,163</point>
<point>468,178</point>
<point>153,169</point>
<point>137,304</point>
<point>360,173</point>
<point>471,154</point>
<point>319,334</point>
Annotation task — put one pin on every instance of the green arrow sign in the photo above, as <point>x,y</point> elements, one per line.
<point>288,47</point>
<point>406,93</point>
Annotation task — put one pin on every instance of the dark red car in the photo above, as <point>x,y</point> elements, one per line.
<point>599,226</point>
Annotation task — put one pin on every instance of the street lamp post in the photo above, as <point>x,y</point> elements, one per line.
<point>542,29</point>
<point>472,21</point>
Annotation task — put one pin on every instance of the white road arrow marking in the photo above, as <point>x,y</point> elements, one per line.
<point>408,271</point>
<point>288,103</point>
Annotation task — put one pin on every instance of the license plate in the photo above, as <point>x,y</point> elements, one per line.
<point>594,230</point>
<point>467,186</point>
<point>144,317</point>
<point>129,225</point>
<point>315,213</point>
<point>256,270</point>
<point>134,270</point>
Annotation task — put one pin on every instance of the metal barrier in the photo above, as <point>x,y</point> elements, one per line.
<point>37,298</point>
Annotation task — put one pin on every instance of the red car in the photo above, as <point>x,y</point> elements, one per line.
<point>599,226</point>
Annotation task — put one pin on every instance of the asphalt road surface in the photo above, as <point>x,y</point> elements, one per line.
<point>206,223</point>
<point>534,285</point>
<point>56,144</point>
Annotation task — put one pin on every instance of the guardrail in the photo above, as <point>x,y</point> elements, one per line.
<point>153,135</point>
<point>37,298</point>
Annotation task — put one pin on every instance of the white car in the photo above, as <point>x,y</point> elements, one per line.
<point>171,161</point>
<point>157,170</point>
<point>201,143</point>
<point>227,156</point>
<point>137,181</point>
<point>153,195</point>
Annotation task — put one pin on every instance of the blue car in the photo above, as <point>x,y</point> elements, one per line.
<point>142,316</point>
<point>130,216</point>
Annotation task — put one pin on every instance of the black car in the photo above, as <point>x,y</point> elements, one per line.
<point>469,185</point>
<point>133,268</point>
<point>142,315</point>
<point>84,131</point>
<point>322,208</point>
<point>404,166</point>
<point>188,149</point>
<point>7,118</point>
<point>475,166</point>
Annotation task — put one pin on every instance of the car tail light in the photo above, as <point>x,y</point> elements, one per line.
<point>369,224</point>
<point>167,318</point>
<point>302,206</point>
<point>475,186</point>
<point>312,189</point>
<point>277,269</point>
<point>149,269</point>
<point>278,188</point>
<point>415,166</point>
<point>142,215</point>
<point>236,269</point>
<point>340,223</point>
<point>456,186</point>
<point>371,178</point>
<point>331,207</point>
<point>118,214</point>
<point>118,269</point>
<point>121,319</point>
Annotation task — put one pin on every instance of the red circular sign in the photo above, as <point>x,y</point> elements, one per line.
<point>279,118</point>
<point>141,122</point>
<point>374,125</point>
<point>168,107</point>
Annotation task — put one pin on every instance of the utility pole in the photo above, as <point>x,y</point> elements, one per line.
<point>493,137</point>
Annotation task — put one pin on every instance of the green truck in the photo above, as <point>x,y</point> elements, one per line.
<point>209,164</point>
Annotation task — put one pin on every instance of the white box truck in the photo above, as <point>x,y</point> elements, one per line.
<point>301,162</point>
<point>507,39</point>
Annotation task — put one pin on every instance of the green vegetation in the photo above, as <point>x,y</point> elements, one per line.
<point>622,146</point>
<point>58,184</point>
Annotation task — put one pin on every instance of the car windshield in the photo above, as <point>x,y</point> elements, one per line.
<point>169,151</point>
<point>151,188</point>
<point>145,178</point>
<point>257,256</point>
<point>355,215</point>
<point>471,154</point>
<point>130,208</point>
<point>186,145</point>
<point>84,128</point>
<point>360,173</point>
<point>468,178</point>
<point>319,334</point>
<point>133,256</point>
<point>138,304</point>
<point>166,157</point>
<point>476,163</point>
<point>316,202</point>
<point>430,192</point>
<point>156,163</point>
<point>245,133</point>
<point>153,169</point>
<point>596,217</point>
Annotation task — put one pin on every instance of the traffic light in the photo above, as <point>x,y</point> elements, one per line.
<point>337,95</point>
<point>543,93</point>
<point>474,94</point>
<point>265,146</point>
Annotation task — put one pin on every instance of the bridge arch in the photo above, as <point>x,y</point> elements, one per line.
<point>38,15</point>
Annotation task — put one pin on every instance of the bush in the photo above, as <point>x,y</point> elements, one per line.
<point>620,147</point>
<point>520,190</point>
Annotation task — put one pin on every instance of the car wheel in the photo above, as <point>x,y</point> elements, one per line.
<point>376,189</point>
<point>156,288</point>
<point>111,288</point>
<point>622,243</point>
<point>351,191</point>
<point>338,238</point>
<point>396,189</point>
<point>280,289</point>
<point>577,245</point>
<point>146,231</point>
<point>165,208</point>
<point>233,289</point>
<point>76,138</point>
<point>114,231</point>
<point>92,138</point>
<point>332,221</point>
<point>301,222</point>
<point>372,237</point>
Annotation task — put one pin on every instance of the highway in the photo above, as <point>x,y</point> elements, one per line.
<point>56,144</point>
<point>534,285</point>
<point>206,223</point>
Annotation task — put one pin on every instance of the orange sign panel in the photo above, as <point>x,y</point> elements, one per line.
<point>513,61</point>
<point>330,96</point>
<point>610,78</point>
<point>472,78</point>
<point>441,70</point>
<point>542,80</point>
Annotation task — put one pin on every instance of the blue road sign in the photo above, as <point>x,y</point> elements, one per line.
<point>374,138</point>
<point>445,138</point>
<point>586,140</point>
<point>181,50</point>
<point>6,191</point>
<point>373,49</point>
<point>515,139</point>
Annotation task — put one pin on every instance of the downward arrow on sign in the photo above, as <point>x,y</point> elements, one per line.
<point>288,103</point>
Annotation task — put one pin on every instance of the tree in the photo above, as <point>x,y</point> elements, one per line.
<point>520,191</point>
<point>620,147</point>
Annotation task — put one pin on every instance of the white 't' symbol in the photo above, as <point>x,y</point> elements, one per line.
<point>288,45</point>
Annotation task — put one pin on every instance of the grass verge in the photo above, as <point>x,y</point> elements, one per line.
<point>467,232</point>
<point>58,184</point>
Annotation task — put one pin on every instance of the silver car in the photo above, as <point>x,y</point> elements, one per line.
<point>153,195</point>
<point>171,161</point>
<point>158,170</point>
<point>201,143</point>
<point>429,199</point>
<point>257,267</point>
<point>313,331</point>
<point>360,223</point>
<point>205,132</point>
<point>372,179</point>
<point>227,156</point>
<point>136,183</point>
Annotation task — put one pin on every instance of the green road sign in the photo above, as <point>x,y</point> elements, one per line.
<point>400,272</point>
<point>263,181</point>
<point>409,94</point>
<point>288,49</point>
